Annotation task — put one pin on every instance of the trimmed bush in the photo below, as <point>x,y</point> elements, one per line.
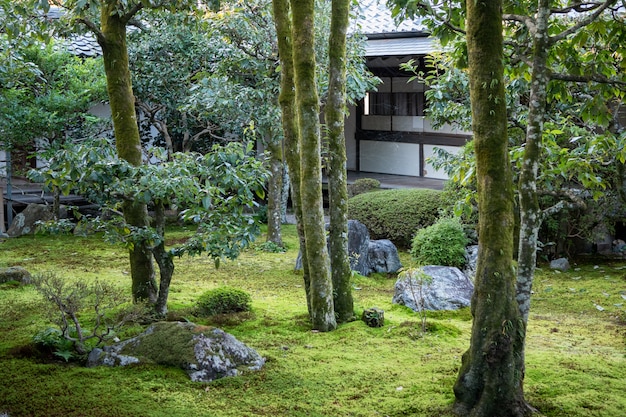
<point>363,185</point>
<point>223,300</point>
<point>443,243</point>
<point>396,214</point>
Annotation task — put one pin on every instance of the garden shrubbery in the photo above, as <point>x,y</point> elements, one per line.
<point>223,300</point>
<point>442,243</point>
<point>396,214</point>
<point>363,185</point>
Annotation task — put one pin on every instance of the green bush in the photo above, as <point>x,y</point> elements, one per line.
<point>223,300</point>
<point>396,214</point>
<point>363,185</point>
<point>443,243</point>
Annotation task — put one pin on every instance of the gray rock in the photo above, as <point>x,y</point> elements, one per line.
<point>367,256</point>
<point>471,256</point>
<point>444,288</point>
<point>374,317</point>
<point>358,246</point>
<point>14,273</point>
<point>205,353</point>
<point>561,264</point>
<point>383,257</point>
<point>24,222</point>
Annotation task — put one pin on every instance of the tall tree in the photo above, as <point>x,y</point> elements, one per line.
<point>335,112</point>
<point>110,31</point>
<point>307,105</point>
<point>287,102</point>
<point>111,36</point>
<point>489,383</point>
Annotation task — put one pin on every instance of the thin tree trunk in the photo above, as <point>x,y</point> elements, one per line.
<point>287,101</point>
<point>164,260</point>
<point>112,39</point>
<point>337,174</point>
<point>489,383</point>
<point>307,104</point>
<point>274,193</point>
<point>530,212</point>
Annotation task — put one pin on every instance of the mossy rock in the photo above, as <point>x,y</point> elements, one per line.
<point>374,317</point>
<point>206,353</point>
<point>14,274</point>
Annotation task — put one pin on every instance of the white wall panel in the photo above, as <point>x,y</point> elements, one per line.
<point>390,158</point>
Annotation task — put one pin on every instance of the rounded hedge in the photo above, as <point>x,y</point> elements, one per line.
<point>223,300</point>
<point>443,243</point>
<point>396,214</point>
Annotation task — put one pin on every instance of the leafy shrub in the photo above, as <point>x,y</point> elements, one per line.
<point>363,185</point>
<point>223,300</point>
<point>53,341</point>
<point>396,214</point>
<point>69,300</point>
<point>443,243</point>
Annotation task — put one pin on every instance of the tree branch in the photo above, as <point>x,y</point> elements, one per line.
<point>527,21</point>
<point>93,28</point>
<point>583,22</point>
<point>132,12</point>
<point>597,78</point>
<point>577,7</point>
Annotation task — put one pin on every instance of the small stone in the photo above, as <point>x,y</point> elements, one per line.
<point>374,317</point>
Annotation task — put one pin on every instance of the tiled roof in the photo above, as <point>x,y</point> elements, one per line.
<point>84,46</point>
<point>374,18</point>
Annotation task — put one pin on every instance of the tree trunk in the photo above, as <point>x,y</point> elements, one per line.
<point>530,212</point>
<point>307,104</point>
<point>337,174</point>
<point>122,101</point>
<point>287,101</point>
<point>274,193</point>
<point>489,383</point>
<point>164,260</point>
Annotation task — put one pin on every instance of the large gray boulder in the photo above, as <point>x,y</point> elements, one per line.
<point>206,353</point>
<point>24,222</point>
<point>383,257</point>
<point>358,246</point>
<point>444,288</point>
<point>14,273</point>
<point>367,256</point>
<point>561,264</point>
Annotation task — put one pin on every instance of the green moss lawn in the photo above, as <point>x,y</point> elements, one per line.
<point>576,353</point>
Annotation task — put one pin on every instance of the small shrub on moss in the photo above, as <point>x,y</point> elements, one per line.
<point>396,214</point>
<point>363,185</point>
<point>443,243</point>
<point>223,300</point>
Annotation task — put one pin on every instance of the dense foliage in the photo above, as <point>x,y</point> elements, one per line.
<point>442,243</point>
<point>223,300</point>
<point>396,214</point>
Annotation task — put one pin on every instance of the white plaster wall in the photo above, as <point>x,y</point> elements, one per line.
<point>429,150</point>
<point>390,158</point>
<point>350,133</point>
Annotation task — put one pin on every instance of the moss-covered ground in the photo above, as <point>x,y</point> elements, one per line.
<point>576,356</point>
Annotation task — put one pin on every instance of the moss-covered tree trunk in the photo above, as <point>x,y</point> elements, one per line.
<point>112,39</point>
<point>489,383</point>
<point>307,104</point>
<point>337,174</point>
<point>274,192</point>
<point>287,101</point>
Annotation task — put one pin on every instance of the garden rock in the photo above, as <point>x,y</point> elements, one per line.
<point>358,246</point>
<point>471,256</point>
<point>383,257</point>
<point>447,288</point>
<point>14,273</point>
<point>367,256</point>
<point>24,222</point>
<point>561,264</point>
<point>374,317</point>
<point>205,353</point>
